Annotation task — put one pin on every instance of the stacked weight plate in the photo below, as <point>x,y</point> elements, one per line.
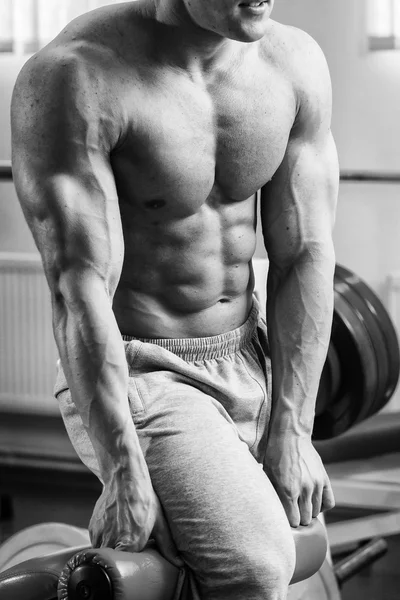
<point>363,362</point>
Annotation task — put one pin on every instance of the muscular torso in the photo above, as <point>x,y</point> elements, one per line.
<point>195,151</point>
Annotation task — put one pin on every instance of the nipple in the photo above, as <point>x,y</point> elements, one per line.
<point>155,204</point>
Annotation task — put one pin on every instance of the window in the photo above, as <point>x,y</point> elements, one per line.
<point>384,24</point>
<point>27,25</point>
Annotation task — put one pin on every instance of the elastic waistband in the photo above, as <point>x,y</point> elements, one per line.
<point>204,348</point>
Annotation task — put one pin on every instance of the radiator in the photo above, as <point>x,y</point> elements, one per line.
<point>28,353</point>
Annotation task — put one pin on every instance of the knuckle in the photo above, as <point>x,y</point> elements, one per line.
<point>294,523</point>
<point>331,503</point>
<point>308,488</point>
<point>291,494</point>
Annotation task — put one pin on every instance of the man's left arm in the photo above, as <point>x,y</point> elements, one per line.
<point>298,211</point>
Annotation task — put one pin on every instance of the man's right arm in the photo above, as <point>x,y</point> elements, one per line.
<point>62,134</point>
<point>67,192</point>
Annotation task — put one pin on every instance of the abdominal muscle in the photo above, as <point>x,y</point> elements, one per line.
<point>190,277</point>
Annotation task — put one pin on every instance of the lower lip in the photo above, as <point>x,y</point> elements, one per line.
<point>254,10</point>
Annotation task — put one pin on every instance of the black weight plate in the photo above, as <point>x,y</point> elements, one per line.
<point>362,311</point>
<point>324,391</point>
<point>361,337</point>
<point>331,422</point>
<point>358,373</point>
<point>390,336</point>
<point>335,371</point>
<point>329,384</point>
<point>338,418</point>
<point>342,413</point>
<point>382,317</point>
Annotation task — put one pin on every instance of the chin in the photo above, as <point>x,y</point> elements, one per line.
<point>247,37</point>
<point>248,34</point>
<point>248,30</point>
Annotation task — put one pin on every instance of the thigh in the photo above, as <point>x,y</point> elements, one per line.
<point>219,503</point>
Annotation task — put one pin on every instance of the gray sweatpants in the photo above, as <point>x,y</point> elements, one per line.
<point>201,409</point>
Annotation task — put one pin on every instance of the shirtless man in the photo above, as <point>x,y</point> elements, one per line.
<point>140,137</point>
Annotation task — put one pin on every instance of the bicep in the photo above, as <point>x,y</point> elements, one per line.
<point>65,185</point>
<point>298,205</point>
<point>79,233</point>
<point>76,227</point>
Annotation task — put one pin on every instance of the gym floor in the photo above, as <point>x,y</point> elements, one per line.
<point>380,581</point>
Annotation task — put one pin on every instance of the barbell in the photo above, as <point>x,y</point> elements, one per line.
<point>350,176</point>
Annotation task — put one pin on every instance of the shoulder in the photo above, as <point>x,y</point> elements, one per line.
<point>56,90</point>
<point>295,53</point>
<point>99,48</point>
<point>80,51</point>
<point>78,76</point>
<point>301,61</point>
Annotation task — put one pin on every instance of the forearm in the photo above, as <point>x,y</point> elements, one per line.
<point>299,316</point>
<point>92,354</point>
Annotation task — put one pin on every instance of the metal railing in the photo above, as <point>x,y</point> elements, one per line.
<point>360,176</point>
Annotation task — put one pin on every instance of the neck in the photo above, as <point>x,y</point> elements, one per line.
<point>188,45</point>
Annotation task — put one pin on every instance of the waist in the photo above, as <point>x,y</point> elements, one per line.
<point>145,317</point>
<point>211,346</point>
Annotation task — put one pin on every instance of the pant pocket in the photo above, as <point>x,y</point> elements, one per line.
<point>133,349</point>
<point>136,404</point>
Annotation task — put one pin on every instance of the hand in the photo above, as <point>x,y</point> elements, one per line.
<point>296,471</point>
<point>127,514</point>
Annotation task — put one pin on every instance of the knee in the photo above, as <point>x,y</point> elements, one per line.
<point>255,566</point>
<point>272,569</point>
<point>267,570</point>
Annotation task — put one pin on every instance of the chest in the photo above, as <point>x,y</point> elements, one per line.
<point>191,140</point>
